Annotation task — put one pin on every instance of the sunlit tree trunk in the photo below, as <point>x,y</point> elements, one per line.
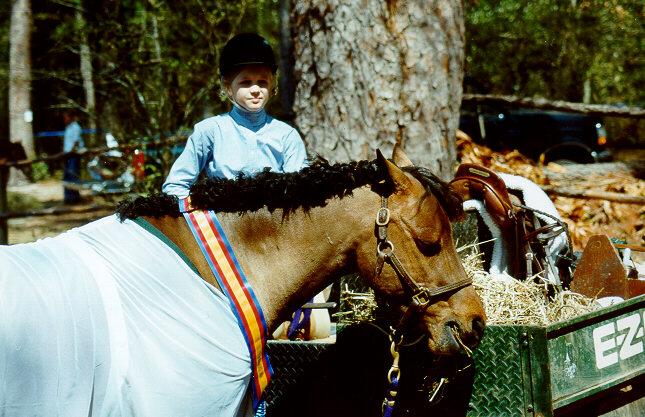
<point>372,73</point>
<point>20,127</point>
<point>86,67</point>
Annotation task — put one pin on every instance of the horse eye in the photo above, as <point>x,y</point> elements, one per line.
<point>427,248</point>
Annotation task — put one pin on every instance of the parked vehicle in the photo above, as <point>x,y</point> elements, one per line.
<point>544,136</point>
<point>111,172</point>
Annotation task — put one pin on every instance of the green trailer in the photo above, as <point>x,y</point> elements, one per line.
<point>592,362</point>
<point>584,366</point>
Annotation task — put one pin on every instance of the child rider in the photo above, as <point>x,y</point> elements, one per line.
<point>245,140</point>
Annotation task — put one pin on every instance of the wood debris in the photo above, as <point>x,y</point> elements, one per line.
<point>585,217</point>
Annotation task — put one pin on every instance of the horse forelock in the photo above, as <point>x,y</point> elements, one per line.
<point>448,198</point>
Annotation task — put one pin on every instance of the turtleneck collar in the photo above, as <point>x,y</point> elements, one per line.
<point>249,119</point>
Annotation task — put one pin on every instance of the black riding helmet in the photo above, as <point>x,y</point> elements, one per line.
<point>246,49</point>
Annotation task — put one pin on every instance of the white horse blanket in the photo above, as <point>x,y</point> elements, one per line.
<point>109,320</point>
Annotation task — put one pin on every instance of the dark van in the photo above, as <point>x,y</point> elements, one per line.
<point>543,136</point>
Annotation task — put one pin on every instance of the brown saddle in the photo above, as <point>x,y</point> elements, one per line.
<point>480,183</point>
<point>522,232</point>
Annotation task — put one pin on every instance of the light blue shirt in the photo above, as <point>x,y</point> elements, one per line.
<point>72,136</point>
<point>236,142</point>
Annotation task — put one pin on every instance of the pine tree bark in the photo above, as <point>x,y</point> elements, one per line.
<point>87,72</point>
<point>373,73</point>
<point>20,128</point>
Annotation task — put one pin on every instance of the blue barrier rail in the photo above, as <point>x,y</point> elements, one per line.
<point>61,133</point>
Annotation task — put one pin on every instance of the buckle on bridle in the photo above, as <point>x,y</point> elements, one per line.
<point>384,249</point>
<point>422,298</point>
<point>383,216</point>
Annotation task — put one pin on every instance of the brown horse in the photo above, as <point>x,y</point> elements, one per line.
<point>290,260</point>
<point>293,234</point>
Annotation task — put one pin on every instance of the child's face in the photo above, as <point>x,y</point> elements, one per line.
<point>251,87</point>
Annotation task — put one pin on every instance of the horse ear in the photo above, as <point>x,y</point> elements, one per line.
<point>399,157</point>
<point>400,180</point>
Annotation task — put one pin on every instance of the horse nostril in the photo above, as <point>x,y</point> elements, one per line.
<point>478,328</point>
<point>457,335</point>
<point>453,326</point>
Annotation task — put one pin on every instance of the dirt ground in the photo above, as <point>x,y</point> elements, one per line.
<point>50,193</point>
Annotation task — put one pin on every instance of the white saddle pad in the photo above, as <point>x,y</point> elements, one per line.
<point>108,320</point>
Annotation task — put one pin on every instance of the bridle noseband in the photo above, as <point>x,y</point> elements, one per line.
<point>421,296</point>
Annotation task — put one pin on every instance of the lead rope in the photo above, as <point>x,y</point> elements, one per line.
<point>393,376</point>
<point>421,298</point>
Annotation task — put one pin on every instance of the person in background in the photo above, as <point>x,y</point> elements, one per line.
<point>246,140</point>
<point>72,141</point>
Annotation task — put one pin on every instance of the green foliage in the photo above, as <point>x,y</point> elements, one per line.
<point>551,48</point>
<point>40,171</point>
<point>22,202</point>
<point>155,61</point>
<point>618,70</point>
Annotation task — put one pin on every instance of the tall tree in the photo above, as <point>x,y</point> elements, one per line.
<point>5,18</point>
<point>371,74</point>
<point>20,129</point>
<point>86,65</point>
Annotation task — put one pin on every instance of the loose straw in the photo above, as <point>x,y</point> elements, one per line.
<point>506,300</point>
<point>511,301</point>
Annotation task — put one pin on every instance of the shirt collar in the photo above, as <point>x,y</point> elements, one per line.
<point>250,120</point>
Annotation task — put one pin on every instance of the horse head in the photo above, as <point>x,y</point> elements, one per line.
<point>411,259</point>
<point>12,152</point>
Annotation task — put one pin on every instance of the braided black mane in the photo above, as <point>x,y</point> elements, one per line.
<point>313,186</point>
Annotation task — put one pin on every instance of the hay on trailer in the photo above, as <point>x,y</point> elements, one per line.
<point>357,301</point>
<point>506,300</point>
<point>511,301</point>
<point>356,306</point>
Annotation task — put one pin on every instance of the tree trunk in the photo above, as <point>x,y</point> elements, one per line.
<point>286,87</point>
<point>20,128</point>
<point>158,73</point>
<point>86,67</point>
<point>370,74</point>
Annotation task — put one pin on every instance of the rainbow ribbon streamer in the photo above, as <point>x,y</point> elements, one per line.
<point>218,252</point>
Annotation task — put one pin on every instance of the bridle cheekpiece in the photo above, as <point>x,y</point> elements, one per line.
<point>421,297</point>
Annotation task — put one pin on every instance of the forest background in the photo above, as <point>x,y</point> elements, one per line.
<point>154,62</point>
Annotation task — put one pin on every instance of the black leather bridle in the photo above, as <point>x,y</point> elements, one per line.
<point>421,297</point>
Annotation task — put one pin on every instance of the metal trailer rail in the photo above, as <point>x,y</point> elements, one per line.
<point>587,366</point>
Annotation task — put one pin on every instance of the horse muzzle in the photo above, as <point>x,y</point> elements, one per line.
<point>453,339</point>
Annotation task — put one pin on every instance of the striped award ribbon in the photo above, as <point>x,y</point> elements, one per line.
<point>229,274</point>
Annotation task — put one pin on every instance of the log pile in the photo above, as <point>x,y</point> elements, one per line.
<point>591,211</point>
